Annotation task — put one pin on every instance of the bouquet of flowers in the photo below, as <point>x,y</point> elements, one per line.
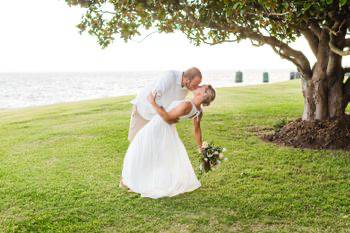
<point>211,156</point>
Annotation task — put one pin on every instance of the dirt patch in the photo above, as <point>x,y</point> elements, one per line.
<point>329,134</point>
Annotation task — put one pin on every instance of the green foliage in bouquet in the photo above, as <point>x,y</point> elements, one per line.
<point>212,156</point>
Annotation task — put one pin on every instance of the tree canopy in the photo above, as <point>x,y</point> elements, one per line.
<point>272,22</point>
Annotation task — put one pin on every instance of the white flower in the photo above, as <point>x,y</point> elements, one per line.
<point>216,153</point>
<point>205,145</point>
<point>225,158</point>
<point>221,156</point>
<point>205,159</point>
<point>224,149</point>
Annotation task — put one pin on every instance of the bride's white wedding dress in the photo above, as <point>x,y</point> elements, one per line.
<point>156,163</point>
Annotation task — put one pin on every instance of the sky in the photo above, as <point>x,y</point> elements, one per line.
<point>40,36</point>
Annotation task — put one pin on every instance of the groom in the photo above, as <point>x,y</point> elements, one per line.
<point>170,86</point>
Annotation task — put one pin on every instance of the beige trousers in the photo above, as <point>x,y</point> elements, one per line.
<point>137,122</point>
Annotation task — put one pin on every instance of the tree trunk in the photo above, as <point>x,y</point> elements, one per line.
<point>325,94</point>
<point>324,98</point>
<point>309,103</point>
<point>336,99</point>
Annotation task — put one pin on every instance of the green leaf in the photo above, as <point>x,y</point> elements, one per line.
<point>236,5</point>
<point>343,2</point>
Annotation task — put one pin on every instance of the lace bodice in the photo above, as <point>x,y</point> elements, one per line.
<point>192,114</point>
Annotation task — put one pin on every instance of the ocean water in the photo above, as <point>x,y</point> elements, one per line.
<point>20,90</point>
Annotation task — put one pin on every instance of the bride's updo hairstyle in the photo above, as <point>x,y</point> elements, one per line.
<point>209,96</point>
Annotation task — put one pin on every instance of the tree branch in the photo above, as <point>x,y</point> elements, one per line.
<point>208,42</point>
<point>279,52</point>
<point>338,51</point>
<point>312,40</point>
<point>218,42</point>
<point>149,34</point>
<point>107,12</point>
<point>283,49</point>
<point>295,56</point>
<point>337,26</point>
<point>315,28</point>
<point>337,41</point>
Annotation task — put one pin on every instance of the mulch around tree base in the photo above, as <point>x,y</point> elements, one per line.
<point>329,134</point>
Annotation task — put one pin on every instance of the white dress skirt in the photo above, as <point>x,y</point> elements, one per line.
<point>156,163</point>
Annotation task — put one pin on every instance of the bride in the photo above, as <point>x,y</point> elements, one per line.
<point>156,163</point>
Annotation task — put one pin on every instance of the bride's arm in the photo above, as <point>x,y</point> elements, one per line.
<point>197,130</point>
<point>172,116</point>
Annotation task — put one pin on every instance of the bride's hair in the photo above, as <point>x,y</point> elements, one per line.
<point>210,94</point>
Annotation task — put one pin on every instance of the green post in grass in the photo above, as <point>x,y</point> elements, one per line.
<point>265,77</point>
<point>292,75</point>
<point>239,77</point>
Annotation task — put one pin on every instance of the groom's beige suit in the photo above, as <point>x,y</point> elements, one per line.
<point>167,88</point>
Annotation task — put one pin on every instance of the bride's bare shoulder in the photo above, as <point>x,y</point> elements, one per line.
<point>188,107</point>
<point>184,107</point>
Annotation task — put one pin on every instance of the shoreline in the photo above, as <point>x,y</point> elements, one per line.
<point>238,85</point>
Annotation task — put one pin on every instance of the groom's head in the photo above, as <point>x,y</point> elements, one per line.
<point>192,78</point>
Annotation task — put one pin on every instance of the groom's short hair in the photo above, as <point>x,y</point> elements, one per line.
<point>193,72</point>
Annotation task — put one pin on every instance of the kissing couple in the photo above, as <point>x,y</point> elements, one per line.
<point>156,163</point>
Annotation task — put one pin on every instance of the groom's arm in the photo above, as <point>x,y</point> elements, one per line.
<point>172,116</point>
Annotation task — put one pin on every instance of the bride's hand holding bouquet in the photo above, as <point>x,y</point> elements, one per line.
<point>211,156</point>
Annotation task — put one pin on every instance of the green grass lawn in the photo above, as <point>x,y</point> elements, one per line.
<point>60,166</point>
